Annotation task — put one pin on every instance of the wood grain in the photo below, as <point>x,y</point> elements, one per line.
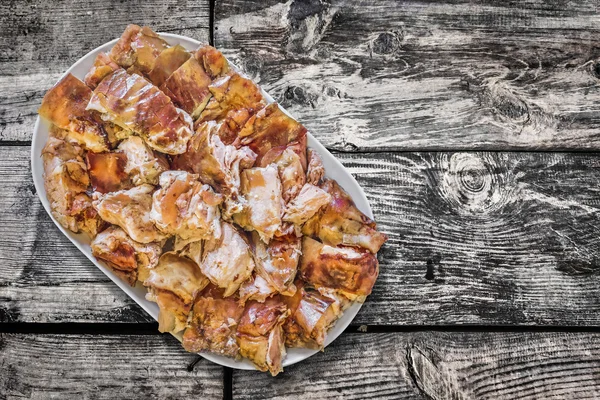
<point>475,238</point>
<point>103,367</point>
<point>40,40</point>
<point>438,365</point>
<point>415,75</point>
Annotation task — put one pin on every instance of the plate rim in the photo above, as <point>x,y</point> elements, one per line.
<point>79,239</point>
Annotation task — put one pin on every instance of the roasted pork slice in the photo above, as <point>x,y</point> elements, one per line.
<point>227,261</point>
<point>315,171</point>
<point>130,209</point>
<point>133,103</point>
<point>340,222</point>
<point>212,61</point>
<point>188,87</point>
<point>213,323</point>
<point>138,48</point>
<point>291,172</point>
<point>167,62</point>
<point>270,128</point>
<point>277,262</point>
<point>263,206</point>
<point>174,284</point>
<point>65,106</point>
<point>256,288</point>
<point>306,204</point>
<point>66,181</point>
<point>107,171</point>
<point>232,92</point>
<point>103,66</point>
<point>312,314</point>
<point>143,165</point>
<point>183,206</point>
<point>260,335</point>
<point>351,271</point>
<point>130,260</point>
<point>216,164</point>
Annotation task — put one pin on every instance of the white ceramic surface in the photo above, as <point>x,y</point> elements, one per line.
<point>334,170</point>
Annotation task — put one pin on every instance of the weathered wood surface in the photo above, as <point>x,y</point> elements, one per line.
<point>437,365</point>
<point>103,367</point>
<point>39,40</point>
<point>475,238</point>
<point>425,75</point>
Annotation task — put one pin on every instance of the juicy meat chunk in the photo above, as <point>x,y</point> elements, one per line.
<point>167,62</point>
<point>316,171</point>
<point>216,164</point>
<point>260,336</point>
<point>349,270</point>
<point>133,103</point>
<point>65,106</point>
<point>212,61</point>
<point>306,204</point>
<point>130,209</point>
<point>173,284</point>
<point>340,222</point>
<point>227,261</point>
<point>213,323</point>
<point>312,314</point>
<point>129,259</point>
<point>277,262</point>
<point>291,172</point>
<point>139,48</point>
<point>255,288</point>
<point>270,128</point>
<point>103,66</point>
<point>261,189</point>
<point>143,165</point>
<point>229,93</point>
<point>107,171</point>
<point>66,181</point>
<point>185,207</point>
<point>188,87</point>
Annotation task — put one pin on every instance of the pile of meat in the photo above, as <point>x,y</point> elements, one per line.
<point>189,183</point>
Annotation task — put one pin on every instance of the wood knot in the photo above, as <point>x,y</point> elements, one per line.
<point>473,183</point>
<point>386,43</point>
<point>596,69</point>
<point>299,95</point>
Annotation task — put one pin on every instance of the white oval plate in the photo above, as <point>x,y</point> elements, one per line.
<point>334,170</point>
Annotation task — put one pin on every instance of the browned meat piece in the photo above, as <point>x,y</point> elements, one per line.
<point>103,66</point>
<point>277,262</point>
<point>107,171</point>
<point>263,206</point>
<point>167,62</point>
<point>173,284</point>
<point>312,314</point>
<point>306,204</point>
<point>227,261</point>
<point>130,209</point>
<point>271,129</point>
<point>185,207</point>
<point>212,61</point>
<point>291,172</point>
<point>188,87</point>
<point>138,48</point>
<point>260,336</point>
<point>66,181</point>
<point>143,164</point>
<point>216,164</point>
<point>340,222</point>
<point>351,271</point>
<point>256,288</point>
<point>212,325</point>
<point>65,106</point>
<point>127,258</point>
<point>133,103</point>
<point>316,171</point>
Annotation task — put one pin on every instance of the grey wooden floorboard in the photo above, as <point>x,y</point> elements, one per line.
<point>439,365</point>
<point>475,238</point>
<point>425,75</point>
<point>39,40</point>
<point>103,367</point>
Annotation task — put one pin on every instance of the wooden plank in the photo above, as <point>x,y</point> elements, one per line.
<point>40,40</point>
<point>438,365</point>
<point>416,75</point>
<point>103,367</point>
<point>475,238</point>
